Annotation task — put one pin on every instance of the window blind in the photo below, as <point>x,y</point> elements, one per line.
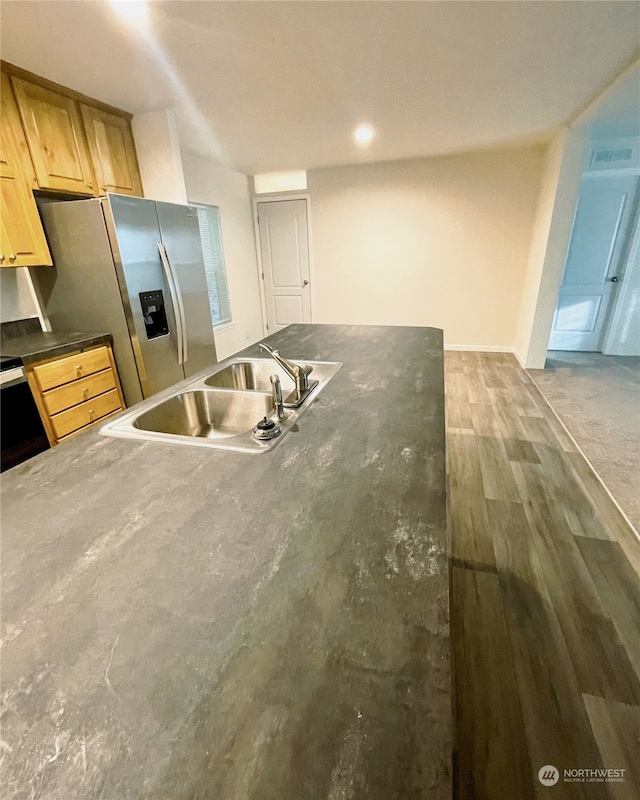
<point>214,266</point>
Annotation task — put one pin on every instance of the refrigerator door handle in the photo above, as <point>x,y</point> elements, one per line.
<point>174,292</point>
<point>174,271</point>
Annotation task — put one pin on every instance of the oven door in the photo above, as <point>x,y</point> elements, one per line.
<point>22,434</point>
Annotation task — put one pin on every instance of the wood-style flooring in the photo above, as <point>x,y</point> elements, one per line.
<point>545,597</point>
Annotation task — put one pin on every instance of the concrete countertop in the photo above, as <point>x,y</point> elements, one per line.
<point>182,622</point>
<point>39,346</point>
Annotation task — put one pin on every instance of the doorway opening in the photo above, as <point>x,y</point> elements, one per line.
<point>592,313</point>
<point>591,375</point>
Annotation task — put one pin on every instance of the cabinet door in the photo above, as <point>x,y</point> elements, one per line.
<point>112,152</point>
<point>22,239</point>
<point>56,139</point>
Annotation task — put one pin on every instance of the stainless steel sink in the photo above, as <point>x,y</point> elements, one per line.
<point>212,415</point>
<point>253,375</point>
<point>219,409</point>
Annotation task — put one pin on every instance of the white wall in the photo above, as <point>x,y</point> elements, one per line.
<point>213,183</point>
<point>158,149</point>
<point>269,182</point>
<point>440,241</point>
<point>552,230</point>
<point>17,297</point>
<point>539,241</point>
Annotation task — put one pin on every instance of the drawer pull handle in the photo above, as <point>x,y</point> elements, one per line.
<point>79,369</point>
<point>12,258</point>
<point>85,392</point>
<point>91,413</point>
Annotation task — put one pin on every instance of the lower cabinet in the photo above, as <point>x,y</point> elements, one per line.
<point>75,391</point>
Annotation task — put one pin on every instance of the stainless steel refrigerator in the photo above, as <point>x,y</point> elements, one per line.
<point>133,268</point>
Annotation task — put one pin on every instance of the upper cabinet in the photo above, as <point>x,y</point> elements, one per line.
<point>22,240</point>
<point>75,144</point>
<point>112,151</point>
<point>53,128</point>
<point>54,139</point>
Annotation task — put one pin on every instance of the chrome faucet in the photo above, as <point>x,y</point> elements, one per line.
<point>298,374</point>
<point>277,397</point>
<point>294,371</point>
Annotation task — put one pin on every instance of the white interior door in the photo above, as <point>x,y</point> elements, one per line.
<point>284,249</point>
<point>600,233</point>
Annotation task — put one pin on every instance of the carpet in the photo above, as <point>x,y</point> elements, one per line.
<point>598,399</point>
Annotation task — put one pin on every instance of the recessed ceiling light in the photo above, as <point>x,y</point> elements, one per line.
<point>135,10</point>
<point>363,134</point>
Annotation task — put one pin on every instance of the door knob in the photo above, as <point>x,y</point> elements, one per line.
<point>305,283</point>
<point>1,257</point>
<point>614,279</point>
<point>12,258</point>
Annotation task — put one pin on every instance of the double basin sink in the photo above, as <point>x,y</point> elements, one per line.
<point>222,409</point>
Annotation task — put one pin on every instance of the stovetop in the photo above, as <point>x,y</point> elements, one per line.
<point>9,362</point>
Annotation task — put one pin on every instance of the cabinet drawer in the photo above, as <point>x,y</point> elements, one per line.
<point>65,370</point>
<point>84,414</point>
<point>72,394</point>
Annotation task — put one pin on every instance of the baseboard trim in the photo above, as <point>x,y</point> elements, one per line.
<point>520,359</point>
<point>481,348</point>
<point>487,348</point>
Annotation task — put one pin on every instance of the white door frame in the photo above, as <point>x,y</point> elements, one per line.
<point>270,198</point>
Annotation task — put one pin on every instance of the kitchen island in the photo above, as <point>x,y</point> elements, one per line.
<point>186,623</point>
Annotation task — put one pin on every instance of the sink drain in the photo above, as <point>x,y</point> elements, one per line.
<point>266,429</point>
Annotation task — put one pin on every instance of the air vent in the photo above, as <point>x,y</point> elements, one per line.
<point>611,156</point>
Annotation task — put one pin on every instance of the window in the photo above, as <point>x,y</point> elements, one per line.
<point>211,239</point>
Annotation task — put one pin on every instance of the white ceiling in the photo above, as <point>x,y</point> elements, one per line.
<point>281,85</point>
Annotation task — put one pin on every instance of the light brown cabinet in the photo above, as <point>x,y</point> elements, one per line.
<point>75,391</point>
<point>112,152</point>
<point>74,146</point>
<point>22,240</point>
<point>56,139</point>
